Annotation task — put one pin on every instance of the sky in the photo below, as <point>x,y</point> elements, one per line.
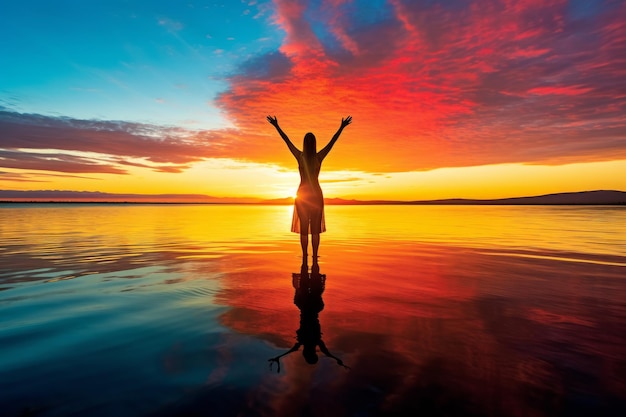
<point>454,98</point>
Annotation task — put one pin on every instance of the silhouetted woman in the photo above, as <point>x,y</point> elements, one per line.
<point>308,216</point>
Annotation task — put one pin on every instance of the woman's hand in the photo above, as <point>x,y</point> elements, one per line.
<point>344,122</point>
<point>273,121</point>
<point>272,360</point>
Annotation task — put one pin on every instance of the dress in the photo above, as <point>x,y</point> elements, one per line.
<point>308,210</point>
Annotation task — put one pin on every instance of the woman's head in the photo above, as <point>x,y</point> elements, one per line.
<point>309,147</point>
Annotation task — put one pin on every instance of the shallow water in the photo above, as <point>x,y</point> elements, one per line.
<point>133,310</point>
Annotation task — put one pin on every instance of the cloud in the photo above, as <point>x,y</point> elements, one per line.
<point>109,145</point>
<point>54,162</point>
<point>170,25</point>
<point>347,179</point>
<point>435,84</point>
<point>271,66</point>
<point>17,177</point>
<point>429,84</point>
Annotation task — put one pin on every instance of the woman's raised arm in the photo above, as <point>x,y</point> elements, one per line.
<point>274,122</point>
<point>277,358</point>
<point>344,122</point>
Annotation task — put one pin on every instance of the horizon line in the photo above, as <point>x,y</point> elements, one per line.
<point>591,197</point>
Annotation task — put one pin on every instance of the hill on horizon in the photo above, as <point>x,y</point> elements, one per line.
<point>596,197</point>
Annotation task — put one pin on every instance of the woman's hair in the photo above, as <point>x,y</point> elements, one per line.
<point>309,147</point>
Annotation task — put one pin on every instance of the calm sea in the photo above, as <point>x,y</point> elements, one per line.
<point>159,310</point>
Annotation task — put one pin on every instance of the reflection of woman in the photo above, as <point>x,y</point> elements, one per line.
<point>308,298</point>
<point>308,216</point>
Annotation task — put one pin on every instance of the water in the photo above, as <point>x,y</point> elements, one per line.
<point>158,310</point>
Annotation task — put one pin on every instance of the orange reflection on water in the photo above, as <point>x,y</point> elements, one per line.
<point>441,326</point>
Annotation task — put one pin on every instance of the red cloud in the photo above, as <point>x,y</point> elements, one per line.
<point>560,90</point>
<point>446,84</point>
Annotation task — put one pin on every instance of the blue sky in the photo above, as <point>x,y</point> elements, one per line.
<point>157,62</point>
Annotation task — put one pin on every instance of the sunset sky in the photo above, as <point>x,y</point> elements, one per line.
<point>482,99</point>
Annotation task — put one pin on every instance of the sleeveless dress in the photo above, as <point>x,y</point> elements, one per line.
<point>308,210</point>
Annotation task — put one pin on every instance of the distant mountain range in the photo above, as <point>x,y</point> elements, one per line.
<point>599,197</point>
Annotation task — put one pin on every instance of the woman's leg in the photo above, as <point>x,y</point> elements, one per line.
<point>304,242</point>
<point>315,241</point>
<point>316,229</point>
<point>303,216</point>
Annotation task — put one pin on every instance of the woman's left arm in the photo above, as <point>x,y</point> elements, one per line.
<point>344,122</point>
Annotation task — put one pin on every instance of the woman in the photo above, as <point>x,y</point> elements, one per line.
<point>308,214</point>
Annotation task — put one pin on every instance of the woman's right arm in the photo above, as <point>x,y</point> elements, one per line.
<point>277,358</point>
<point>274,122</point>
